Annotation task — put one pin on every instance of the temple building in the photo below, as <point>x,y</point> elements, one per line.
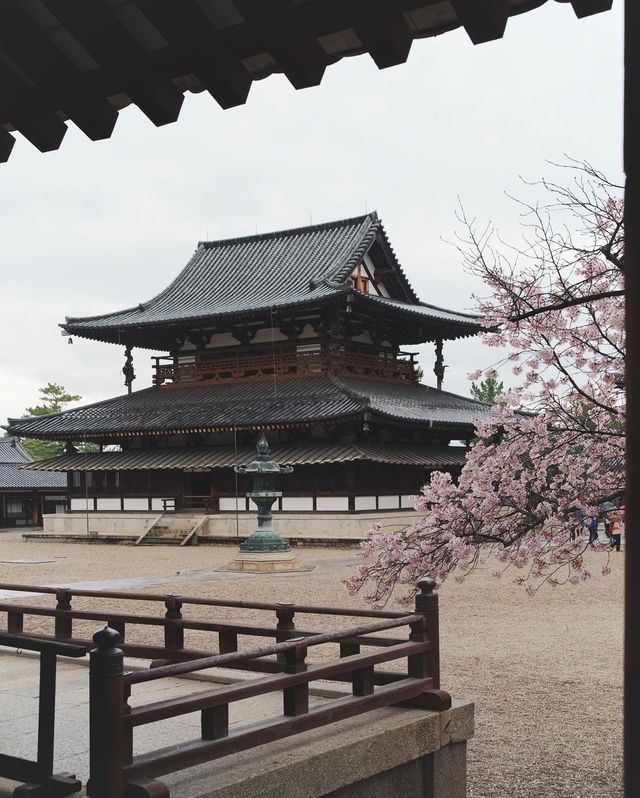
<point>302,334</point>
<point>27,495</point>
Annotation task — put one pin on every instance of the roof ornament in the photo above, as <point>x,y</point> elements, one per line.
<point>128,370</point>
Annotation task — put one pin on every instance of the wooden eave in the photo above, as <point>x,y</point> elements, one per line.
<point>84,60</point>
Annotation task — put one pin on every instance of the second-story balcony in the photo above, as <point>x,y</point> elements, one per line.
<point>285,360</point>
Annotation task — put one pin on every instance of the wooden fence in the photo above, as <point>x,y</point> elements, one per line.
<point>286,667</point>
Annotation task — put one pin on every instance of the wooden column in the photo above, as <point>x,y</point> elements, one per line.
<point>632,378</point>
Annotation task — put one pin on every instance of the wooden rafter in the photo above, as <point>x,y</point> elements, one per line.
<point>39,60</point>
<point>108,41</point>
<point>187,29</point>
<point>584,8</point>
<point>483,20</point>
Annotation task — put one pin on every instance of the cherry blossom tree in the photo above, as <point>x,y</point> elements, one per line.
<point>551,450</point>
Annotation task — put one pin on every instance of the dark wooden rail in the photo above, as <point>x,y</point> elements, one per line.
<point>38,776</point>
<point>354,359</point>
<point>285,665</point>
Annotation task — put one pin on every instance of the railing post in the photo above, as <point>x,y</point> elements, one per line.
<point>296,698</point>
<point>348,649</point>
<point>427,606</point>
<point>173,635</point>
<point>108,742</point>
<point>15,622</point>
<point>227,641</point>
<point>63,626</point>
<point>285,628</point>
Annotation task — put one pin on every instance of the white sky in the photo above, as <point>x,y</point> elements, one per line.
<point>95,227</point>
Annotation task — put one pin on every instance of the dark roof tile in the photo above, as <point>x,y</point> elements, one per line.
<point>270,271</point>
<point>292,401</point>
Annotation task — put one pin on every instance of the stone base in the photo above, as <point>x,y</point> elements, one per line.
<point>388,753</point>
<point>265,562</point>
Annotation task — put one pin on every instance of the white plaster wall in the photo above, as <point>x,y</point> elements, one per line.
<point>388,502</point>
<point>159,504</point>
<point>81,504</point>
<point>230,504</point>
<point>135,504</point>
<point>335,503</point>
<point>297,503</point>
<point>267,335</point>
<point>108,504</point>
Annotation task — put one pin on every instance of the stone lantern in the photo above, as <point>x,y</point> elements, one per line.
<point>264,550</point>
<point>265,474</point>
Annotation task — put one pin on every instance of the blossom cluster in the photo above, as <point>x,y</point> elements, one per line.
<point>551,451</point>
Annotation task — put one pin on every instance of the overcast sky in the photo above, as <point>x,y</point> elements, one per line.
<point>95,227</point>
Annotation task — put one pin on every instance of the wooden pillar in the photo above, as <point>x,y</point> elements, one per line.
<point>632,381</point>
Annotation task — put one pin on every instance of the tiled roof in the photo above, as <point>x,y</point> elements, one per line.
<point>14,478</point>
<point>411,402</point>
<point>226,456</point>
<point>199,407</point>
<point>423,309</point>
<point>12,452</point>
<point>260,273</point>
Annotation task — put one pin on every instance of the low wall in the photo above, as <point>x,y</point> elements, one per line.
<point>299,526</point>
<point>334,526</point>
<point>384,754</point>
<point>115,524</point>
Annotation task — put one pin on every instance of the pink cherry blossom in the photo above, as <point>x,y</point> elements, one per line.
<point>552,450</point>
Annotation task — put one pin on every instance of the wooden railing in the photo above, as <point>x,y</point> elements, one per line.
<point>286,662</point>
<point>39,774</point>
<point>244,365</point>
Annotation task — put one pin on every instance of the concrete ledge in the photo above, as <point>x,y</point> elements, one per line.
<point>301,526</point>
<point>389,752</point>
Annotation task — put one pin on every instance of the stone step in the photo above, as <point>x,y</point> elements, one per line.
<point>160,541</point>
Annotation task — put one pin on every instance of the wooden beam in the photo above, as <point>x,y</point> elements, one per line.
<point>6,145</point>
<point>106,39</point>
<point>187,28</point>
<point>584,8</point>
<point>296,51</point>
<point>632,381</point>
<point>63,86</point>
<point>483,20</point>
<point>385,34</point>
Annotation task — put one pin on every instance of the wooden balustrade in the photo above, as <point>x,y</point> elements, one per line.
<point>247,365</point>
<point>285,666</point>
<point>38,775</point>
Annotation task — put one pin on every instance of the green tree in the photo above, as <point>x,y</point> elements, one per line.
<point>487,390</point>
<point>53,398</point>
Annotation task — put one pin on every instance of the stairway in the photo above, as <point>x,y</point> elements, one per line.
<point>173,529</point>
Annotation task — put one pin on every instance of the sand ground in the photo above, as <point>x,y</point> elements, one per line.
<point>545,672</point>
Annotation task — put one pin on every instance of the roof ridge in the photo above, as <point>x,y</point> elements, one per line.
<point>373,216</point>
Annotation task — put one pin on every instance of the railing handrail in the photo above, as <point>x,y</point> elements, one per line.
<point>43,645</point>
<point>257,652</point>
<point>183,705</point>
<point>194,600</point>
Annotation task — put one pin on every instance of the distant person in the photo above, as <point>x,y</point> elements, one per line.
<point>592,526</point>
<point>616,519</point>
<point>608,526</point>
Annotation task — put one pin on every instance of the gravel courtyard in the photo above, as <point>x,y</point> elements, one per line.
<point>545,672</point>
